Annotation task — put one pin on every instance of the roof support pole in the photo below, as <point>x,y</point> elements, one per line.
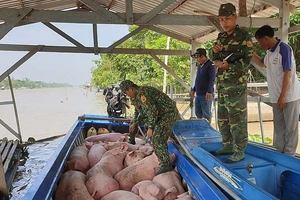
<point>95,36</point>
<point>129,12</point>
<point>11,19</point>
<point>193,72</point>
<point>170,71</point>
<point>285,20</point>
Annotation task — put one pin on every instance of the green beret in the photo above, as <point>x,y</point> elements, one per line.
<point>124,85</point>
<point>227,9</point>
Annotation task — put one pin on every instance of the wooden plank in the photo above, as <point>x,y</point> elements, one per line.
<point>10,155</point>
<point>11,172</point>
<point>6,150</point>
<point>3,144</point>
<point>3,186</point>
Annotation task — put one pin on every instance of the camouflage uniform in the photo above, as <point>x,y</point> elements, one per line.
<point>232,87</point>
<point>138,119</point>
<point>161,112</point>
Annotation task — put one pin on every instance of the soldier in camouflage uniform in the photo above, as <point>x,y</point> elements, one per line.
<point>232,83</point>
<point>138,119</point>
<point>161,112</point>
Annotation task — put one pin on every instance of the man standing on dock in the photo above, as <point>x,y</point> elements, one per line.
<point>283,87</point>
<point>232,53</point>
<point>204,85</point>
<point>161,112</point>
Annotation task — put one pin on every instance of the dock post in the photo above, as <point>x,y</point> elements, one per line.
<point>3,186</point>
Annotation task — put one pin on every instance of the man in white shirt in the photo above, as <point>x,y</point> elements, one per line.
<point>284,88</point>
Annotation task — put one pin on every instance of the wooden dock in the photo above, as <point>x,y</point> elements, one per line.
<point>10,158</point>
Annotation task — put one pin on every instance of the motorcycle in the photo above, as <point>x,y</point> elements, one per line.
<point>117,102</point>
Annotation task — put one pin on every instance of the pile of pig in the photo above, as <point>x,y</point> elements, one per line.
<point>107,167</point>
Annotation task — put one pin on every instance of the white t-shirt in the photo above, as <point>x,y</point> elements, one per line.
<point>278,59</point>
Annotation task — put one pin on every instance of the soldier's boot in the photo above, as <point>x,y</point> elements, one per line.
<point>226,149</point>
<point>131,141</point>
<point>237,156</point>
<point>164,168</point>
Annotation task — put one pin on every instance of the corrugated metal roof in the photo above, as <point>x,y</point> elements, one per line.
<point>180,7</point>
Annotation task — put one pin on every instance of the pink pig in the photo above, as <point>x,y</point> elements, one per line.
<point>148,190</point>
<point>184,196</point>
<point>121,195</point>
<point>171,183</point>
<point>110,137</point>
<point>133,157</point>
<point>95,154</point>
<point>79,159</point>
<point>100,179</point>
<point>72,187</point>
<point>144,169</point>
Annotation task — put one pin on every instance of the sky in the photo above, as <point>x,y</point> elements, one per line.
<point>74,69</point>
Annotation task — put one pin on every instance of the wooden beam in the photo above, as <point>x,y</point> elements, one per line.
<point>129,12</point>
<point>129,35</point>
<point>64,35</point>
<point>295,28</point>
<point>95,6</point>
<point>170,34</point>
<point>278,4</point>
<point>11,19</point>
<point>243,8</point>
<point>68,49</point>
<point>161,19</point>
<point>32,50</point>
<point>155,11</point>
<point>170,71</point>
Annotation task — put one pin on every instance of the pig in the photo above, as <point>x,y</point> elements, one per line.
<point>147,149</point>
<point>184,196</point>
<point>133,157</point>
<point>72,187</point>
<point>144,169</point>
<point>95,154</point>
<point>171,183</point>
<point>121,195</point>
<point>110,137</point>
<point>148,190</point>
<point>100,179</point>
<point>111,145</point>
<point>79,159</point>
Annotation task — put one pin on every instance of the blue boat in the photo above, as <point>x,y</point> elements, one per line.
<point>263,174</point>
<point>44,187</point>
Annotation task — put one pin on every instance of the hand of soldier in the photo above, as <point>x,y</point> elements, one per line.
<point>217,47</point>
<point>150,133</point>
<point>281,102</point>
<point>132,127</point>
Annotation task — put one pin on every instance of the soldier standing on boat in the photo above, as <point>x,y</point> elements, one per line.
<point>161,112</point>
<point>232,53</point>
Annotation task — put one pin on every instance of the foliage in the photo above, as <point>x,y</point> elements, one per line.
<point>258,138</point>
<point>141,69</point>
<point>27,83</point>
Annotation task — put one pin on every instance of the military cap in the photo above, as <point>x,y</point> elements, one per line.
<point>124,85</point>
<point>227,9</point>
<point>199,52</point>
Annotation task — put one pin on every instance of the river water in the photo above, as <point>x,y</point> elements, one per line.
<point>44,113</point>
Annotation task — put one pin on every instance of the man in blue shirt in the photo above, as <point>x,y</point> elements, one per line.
<point>204,85</point>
